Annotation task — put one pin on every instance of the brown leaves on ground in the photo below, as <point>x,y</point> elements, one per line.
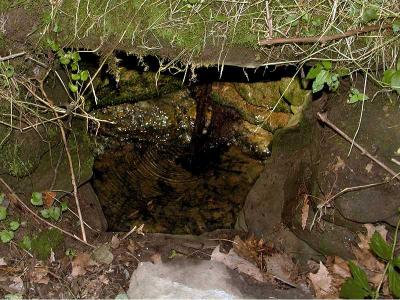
<point>330,277</point>
<point>40,274</point>
<point>80,263</point>
<point>48,199</point>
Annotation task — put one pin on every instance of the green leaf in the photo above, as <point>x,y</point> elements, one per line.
<point>387,76</point>
<point>396,261</point>
<point>16,296</point>
<point>45,213</point>
<point>75,57</point>
<point>398,64</point>
<point>396,26</point>
<point>2,196</point>
<point>370,14</point>
<point>314,71</point>
<point>395,81</point>
<point>26,243</point>
<point>9,71</point>
<point>73,87</point>
<point>6,235</point>
<point>75,77</point>
<point>53,45</point>
<point>394,282</point>
<point>3,213</point>
<point>74,66</point>
<point>380,247</point>
<point>36,199</point>
<point>356,96</point>
<point>64,206</point>
<point>84,75</point>
<point>359,276</point>
<point>221,18</point>
<point>14,225</point>
<point>352,290</point>
<point>55,213</point>
<point>341,72</point>
<point>327,64</point>
<point>57,28</point>
<point>70,252</point>
<point>320,81</point>
<point>65,60</point>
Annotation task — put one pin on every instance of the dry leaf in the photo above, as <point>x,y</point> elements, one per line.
<point>17,285</point>
<point>156,258</point>
<point>115,242</point>
<point>104,280</point>
<point>341,267</point>
<point>39,275</point>
<point>48,198</point>
<point>2,262</point>
<point>339,164</point>
<point>304,212</point>
<point>248,248</point>
<point>281,266</point>
<point>368,167</point>
<point>79,264</point>
<point>235,262</point>
<point>321,281</point>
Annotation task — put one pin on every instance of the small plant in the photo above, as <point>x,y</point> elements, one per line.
<point>357,287</point>
<point>53,212</point>
<point>26,243</point>
<point>356,96</point>
<point>71,253</point>
<point>322,74</point>
<point>391,77</point>
<point>6,235</point>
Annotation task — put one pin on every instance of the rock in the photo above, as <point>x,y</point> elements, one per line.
<point>135,86</point>
<point>165,120</point>
<point>225,93</point>
<point>200,279</point>
<point>291,90</point>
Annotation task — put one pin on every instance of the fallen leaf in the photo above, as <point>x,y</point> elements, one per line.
<point>365,238</point>
<point>156,258</point>
<point>321,281</point>
<point>304,212</point>
<point>281,266</point>
<point>339,164</point>
<point>368,167</point>
<point>48,198</point>
<point>103,279</point>
<point>17,285</point>
<point>235,262</point>
<point>248,248</point>
<point>115,242</point>
<point>79,264</point>
<point>341,267</point>
<point>39,275</point>
<point>2,262</point>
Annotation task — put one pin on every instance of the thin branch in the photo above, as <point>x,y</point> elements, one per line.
<point>323,39</point>
<point>26,207</point>
<point>12,56</point>
<point>323,118</point>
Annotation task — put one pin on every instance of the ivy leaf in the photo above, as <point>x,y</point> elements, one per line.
<point>14,225</point>
<point>320,80</point>
<point>36,199</point>
<point>395,81</point>
<point>380,247</point>
<point>26,243</point>
<point>73,87</point>
<point>370,14</point>
<point>314,71</point>
<point>352,290</point>
<point>359,276</point>
<point>387,76</point>
<point>64,206</point>
<point>396,26</point>
<point>84,75</point>
<point>75,57</point>
<point>3,213</point>
<point>6,236</point>
<point>74,66</point>
<point>75,77</point>
<point>394,282</point>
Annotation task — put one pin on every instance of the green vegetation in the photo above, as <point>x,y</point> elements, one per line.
<point>357,287</point>
<point>48,240</point>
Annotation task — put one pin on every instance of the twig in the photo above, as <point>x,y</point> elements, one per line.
<point>12,56</point>
<point>323,39</point>
<point>15,196</point>
<point>324,119</point>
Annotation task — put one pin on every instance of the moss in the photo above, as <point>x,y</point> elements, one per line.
<point>45,242</point>
<point>13,161</point>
